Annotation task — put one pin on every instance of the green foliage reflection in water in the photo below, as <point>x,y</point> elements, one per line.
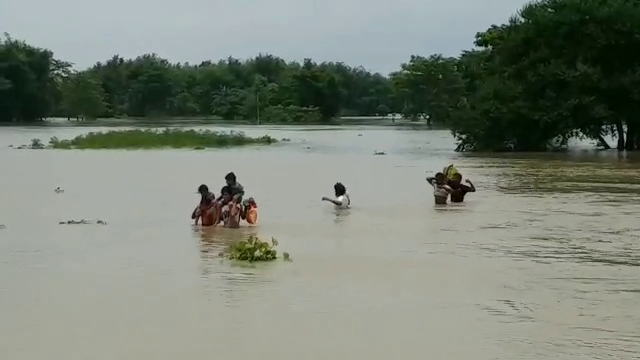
<point>253,249</point>
<point>168,138</point>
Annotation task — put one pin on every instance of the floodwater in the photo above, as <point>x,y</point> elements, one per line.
<point>542,262</point>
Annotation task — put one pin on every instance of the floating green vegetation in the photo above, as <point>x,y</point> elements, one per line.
<point>253,249</point>
<point>155,139</point>
<point>36,144</point>
<point>82,222</point>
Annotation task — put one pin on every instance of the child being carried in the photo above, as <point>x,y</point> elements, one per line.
<point>441,190</point>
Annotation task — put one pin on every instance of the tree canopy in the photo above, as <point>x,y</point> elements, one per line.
<point>556,70</point>
<point>34,85</point>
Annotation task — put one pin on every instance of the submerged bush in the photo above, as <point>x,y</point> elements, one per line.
<point>253,249</point>
<point>151,138</point>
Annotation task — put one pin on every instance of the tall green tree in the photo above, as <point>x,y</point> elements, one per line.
<point>82,96</point>
<point>429,87</point>
<point>558,69</point>
<point>28,81</point>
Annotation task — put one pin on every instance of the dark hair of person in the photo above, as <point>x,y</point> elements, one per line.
<point>230,177</point>
<point>339,189</point>
<point>203,188</point>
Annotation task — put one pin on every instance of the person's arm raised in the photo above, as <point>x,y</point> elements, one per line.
<point>334,201</point>
<point>472,188</point>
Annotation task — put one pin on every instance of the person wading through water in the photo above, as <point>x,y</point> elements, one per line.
<point>459,189</point>
<point>205,209</point>
<point>441,190</point>
<point>342,200</point>
<point>236,192</point>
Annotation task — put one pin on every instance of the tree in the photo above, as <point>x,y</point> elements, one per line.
<point>558,69</point>
<point>429,87</point>
<point>28,81</point>
<point>382,110</point>
<point>83,97</point>
<point>227,103</point>
<point>258,97</point>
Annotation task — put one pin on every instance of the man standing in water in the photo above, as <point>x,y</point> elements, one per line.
<point>204,210</point>
<point>459,189</point>
<point>236,191</point>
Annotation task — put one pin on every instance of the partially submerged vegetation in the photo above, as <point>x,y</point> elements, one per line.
<point>536,82</point>
<point>153,139</point>
<point>83,222</point>
<point>253,249</point>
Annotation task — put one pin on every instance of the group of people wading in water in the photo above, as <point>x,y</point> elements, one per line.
<point>229,207</point>
<point>449,183</point>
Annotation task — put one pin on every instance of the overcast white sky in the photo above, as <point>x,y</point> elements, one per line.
<point>377,34</point>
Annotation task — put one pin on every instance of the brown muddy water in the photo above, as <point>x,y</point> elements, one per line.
<point>542,262</point>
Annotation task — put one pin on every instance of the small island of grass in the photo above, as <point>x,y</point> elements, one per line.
<point>157,139</point>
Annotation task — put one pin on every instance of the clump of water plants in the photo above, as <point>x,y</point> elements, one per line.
<point>82,222</point>
<point>253,249</point>
<point>157,139</point>
<point>36,144</point>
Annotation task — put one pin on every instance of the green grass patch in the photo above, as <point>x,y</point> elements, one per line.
<point>156,139</point>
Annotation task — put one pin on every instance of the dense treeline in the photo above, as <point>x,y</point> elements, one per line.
<point>559,69</point>
<point>265,87</point>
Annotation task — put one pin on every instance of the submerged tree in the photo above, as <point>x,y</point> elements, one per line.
<point>429,87</point>
<point>28,81</point>
<point>559,69</point>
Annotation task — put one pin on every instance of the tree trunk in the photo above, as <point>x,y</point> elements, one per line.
<point>631,137</point>
<point>620,132</point>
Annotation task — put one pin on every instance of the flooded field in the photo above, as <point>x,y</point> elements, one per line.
<point>542,262</point>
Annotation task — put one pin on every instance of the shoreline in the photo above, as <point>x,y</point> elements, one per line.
<point>191,121</point>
